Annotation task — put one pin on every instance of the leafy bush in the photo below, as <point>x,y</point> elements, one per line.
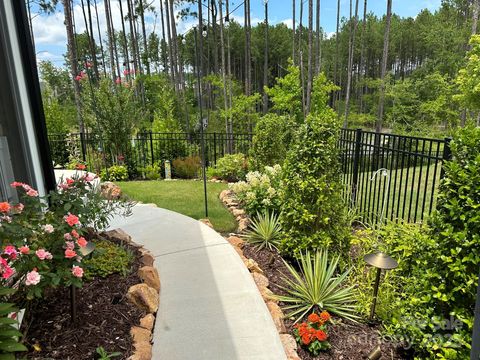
<point>114,173</point>
<point>108,258</point>
<point>313,211</point>
<point>9,334</point>
<point>315,287</point>
<point>260,191</point>
<point>273,134</point>
<point>153,172</point>
<point>230,168</point>
<point>265,231</point>
<point>188,167</point>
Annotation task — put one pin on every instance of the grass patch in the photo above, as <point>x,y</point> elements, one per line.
<point>185,197</point>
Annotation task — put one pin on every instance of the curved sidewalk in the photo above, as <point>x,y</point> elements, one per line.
<point>210,307</point>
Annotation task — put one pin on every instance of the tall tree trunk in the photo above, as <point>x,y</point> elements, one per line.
<point>386,38</point>
<point>111,40</point>
<point>318,52</point>
<point>337,55</point>
<point>136,40</point>
<point>310,56</point>
<point>293,28</point>
<point>265,62</point>
<point>72,57</point>
<point>144,34</point>
<point>91,41</point>
<point>213,8</point>
<point>100,39</point>
<point>173,72</point>
<point>229,75</point>
<point>164,44</point>
<point>175,52</point>
<point>125,41</point>
<point>248,57</point>
<point>351,50</point>
<point>363,67</point>
<point>90,22</point>
<point>222,54</point>
<point>115,50</point>
<point>300,29</point>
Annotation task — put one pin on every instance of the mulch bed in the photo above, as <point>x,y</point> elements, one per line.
<point>349,340</point>
<point>104,319</point>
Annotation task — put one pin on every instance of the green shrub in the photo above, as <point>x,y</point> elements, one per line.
<point>108,258</point>
<point>317,287</point>
<point>9,334</point>
<point>230,168</point>
<point>261,191</point>
<point>114,173</point>
<point>313,211</point>
<point>153,172</point>
<point>264,231</point>
<point>187,167</point>
<point>273,135</point>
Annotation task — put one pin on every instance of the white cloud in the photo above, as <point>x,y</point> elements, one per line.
<point>288,22</point>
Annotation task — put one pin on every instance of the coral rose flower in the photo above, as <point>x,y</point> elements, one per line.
<point>32,193</point>
<point>70,253</point>
<point>5,207</point>
<point>81,167</point>
<point>313,318</point>
<point>24,249</point>
<point>82,242</point>
<point>75,234</point>
<point>33,278</point>
<point>71,219</point>
<point>77,271</point>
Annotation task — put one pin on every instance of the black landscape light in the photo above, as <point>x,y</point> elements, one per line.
<point>84,251</point>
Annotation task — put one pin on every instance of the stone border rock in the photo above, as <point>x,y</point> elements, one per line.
<point>145,296</point>
<point>233,205</point>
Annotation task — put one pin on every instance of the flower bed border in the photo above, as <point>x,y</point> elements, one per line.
<point>145,296</point>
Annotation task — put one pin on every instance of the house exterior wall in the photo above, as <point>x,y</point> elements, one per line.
<point>24,152</point>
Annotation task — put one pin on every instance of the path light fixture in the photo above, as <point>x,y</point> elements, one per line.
<point>84,251</point>
<point>379,259</point>
<point>375,354</point>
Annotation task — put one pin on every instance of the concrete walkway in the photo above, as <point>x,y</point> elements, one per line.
<point>210,307</point>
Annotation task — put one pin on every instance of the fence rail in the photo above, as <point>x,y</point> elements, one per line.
<point>414,164</point>
<point>145,148</point>
<point>414,167</point>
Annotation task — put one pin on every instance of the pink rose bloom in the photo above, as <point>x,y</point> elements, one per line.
<point>71,219</point>
<point>70,245</point>
<point>16,184</point>
<point>43,254</point>
<point>70,254</point>
<point>67,237</point>
<point>32,193</point>
<point>63,186</point>
<point>7,272</point>
<point>18,208</point>
<point>33,278</point>
<point>8,219</point>
<point>75,234</point>
<point>48,228</point>
<point>82,242</point>
<point>24,249</point>
<point>11,251</point>
<point>89,177</point>
<point>77,271</point>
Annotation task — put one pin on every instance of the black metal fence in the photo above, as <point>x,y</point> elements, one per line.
<point>407,190</point>
<point>145,148</point>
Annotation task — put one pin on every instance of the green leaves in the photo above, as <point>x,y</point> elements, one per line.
<point>317,286</point>
<point>265,231</point>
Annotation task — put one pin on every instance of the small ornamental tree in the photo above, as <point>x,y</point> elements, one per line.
<point>313,211</point>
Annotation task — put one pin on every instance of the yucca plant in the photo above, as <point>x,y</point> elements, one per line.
<point>265,231</point>
<point>317,287</point>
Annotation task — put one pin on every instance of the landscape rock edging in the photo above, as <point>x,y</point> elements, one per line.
<point>144,295</point>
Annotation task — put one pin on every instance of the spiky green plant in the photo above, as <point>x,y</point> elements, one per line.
<point>316,286</point>
<point>265,231</point>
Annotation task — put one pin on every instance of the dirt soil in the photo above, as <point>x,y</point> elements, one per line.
<point>104,319</point>
<point>349,340</point>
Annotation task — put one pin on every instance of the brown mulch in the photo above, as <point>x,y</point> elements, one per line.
<point>349,340</point>
<point>104,318</point>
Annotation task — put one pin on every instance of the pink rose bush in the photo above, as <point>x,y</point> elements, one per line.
<point>40,245</point>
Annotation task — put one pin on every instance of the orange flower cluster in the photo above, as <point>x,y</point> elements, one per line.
<point>313,329</point>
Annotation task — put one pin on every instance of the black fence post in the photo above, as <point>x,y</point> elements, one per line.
<point>82,145</point>
<point>151,148</point>
<point>356,163</point>
<point>447,155</point>
<point>215,148</point>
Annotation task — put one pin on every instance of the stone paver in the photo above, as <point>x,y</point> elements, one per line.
<point>210,307</point>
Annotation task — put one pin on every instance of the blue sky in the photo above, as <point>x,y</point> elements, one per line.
<point>50,36</point>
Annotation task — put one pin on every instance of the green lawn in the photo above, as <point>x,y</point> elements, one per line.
<point>185,197</point>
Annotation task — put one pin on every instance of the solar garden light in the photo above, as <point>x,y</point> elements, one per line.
<point>379,259</point>
<point>375,354</point>
<point>84,251</point>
